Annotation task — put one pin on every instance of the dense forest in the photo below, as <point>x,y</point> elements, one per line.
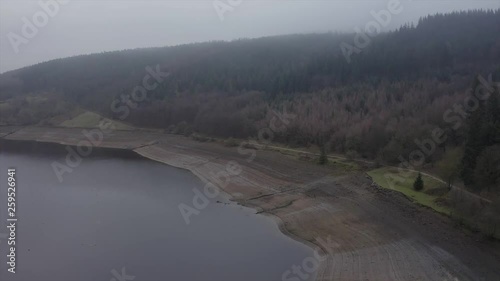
<point>382,104</point>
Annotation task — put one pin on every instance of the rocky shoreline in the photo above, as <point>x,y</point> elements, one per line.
<point>364,232</point>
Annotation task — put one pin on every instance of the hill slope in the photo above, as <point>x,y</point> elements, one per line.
<point>394,92</point>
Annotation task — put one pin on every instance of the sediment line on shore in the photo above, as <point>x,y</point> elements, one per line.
<point>372,234</point>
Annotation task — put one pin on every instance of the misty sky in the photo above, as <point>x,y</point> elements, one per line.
<point>83,27</point>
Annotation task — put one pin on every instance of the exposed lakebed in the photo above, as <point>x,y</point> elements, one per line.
<point>117,211</point>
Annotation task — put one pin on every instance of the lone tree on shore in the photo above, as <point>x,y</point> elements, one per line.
<point>323,158</point>
<point>419,183</point>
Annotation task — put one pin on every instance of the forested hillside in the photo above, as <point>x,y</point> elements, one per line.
<point>384,102</point>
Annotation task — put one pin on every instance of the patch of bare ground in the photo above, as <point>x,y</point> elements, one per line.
<point>374,233</point>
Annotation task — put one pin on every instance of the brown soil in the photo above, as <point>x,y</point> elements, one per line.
<point>374,234</point>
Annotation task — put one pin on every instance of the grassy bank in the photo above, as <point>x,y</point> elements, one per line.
<point>89,119</point>
<point>434,195</point>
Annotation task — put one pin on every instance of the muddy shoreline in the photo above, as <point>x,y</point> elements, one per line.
<point>32,145</point>
<point>374,234</point>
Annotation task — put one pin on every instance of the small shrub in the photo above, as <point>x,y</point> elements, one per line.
<point>170,129</point>
<point>181,128</point>
<point>304,157</point>
<point>188,131</point>
<point>200,138</point>
<point>249,146</point>
<point>351,154</point>
<point>323,158</point>
<point>419,183</point>
<point>230,142</point>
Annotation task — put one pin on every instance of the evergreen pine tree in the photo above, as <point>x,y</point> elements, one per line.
<point>419,183</point>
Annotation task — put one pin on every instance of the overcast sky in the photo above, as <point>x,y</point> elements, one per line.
<point>83,27</point>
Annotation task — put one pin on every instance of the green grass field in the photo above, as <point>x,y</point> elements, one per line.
<point>348,165</point>
<point>433,191</point>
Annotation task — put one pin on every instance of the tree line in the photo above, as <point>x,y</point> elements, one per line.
<point>392,93</point>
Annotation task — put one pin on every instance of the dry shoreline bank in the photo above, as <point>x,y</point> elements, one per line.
<point>374,234</point>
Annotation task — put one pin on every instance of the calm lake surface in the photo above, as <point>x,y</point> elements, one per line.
<point>114,213</point>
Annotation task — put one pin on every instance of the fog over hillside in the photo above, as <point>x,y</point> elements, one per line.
<point>83,27</point>
<point>250,140</point>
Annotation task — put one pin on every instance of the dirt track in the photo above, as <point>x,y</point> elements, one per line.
<point>374,234</point>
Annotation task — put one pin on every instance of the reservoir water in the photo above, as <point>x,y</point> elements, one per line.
<point>116,214</point>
